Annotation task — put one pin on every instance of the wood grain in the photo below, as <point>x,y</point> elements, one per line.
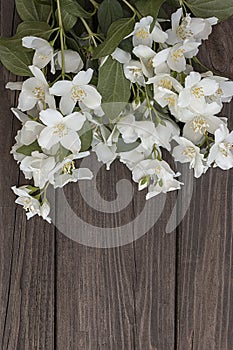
<point>27,248</point>
<point>159,292</point>
<point>205,289</point>
<point>118,298</point>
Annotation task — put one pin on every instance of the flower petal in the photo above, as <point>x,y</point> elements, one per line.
<point>47,138</point>
<point>74,121</point>
<point>67,104</point>
<point>83,78</point>
<point>61,88</point>
<point>93,98</point>
<point>51,117</point>
<point>71,141</point>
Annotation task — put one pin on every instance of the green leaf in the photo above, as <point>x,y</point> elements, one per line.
<point>108,12</point>
<point>209,8</point>
<point>34,28</point>
<point>86,136</point>
<point>14,57</point>
<point>30,10</point>
<point>27,150</point>
<point>126,147</point>
<point>114,87</point>
<point>174,3</point>
<point>68,20</point>
<point>43,2</point>
<point>73,7</point>
<point>149,7</point>
<point>116,33</point>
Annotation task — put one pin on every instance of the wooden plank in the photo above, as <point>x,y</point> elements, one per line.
<point>27,248</point>
<point>205,297</point>
<point>116,298</point>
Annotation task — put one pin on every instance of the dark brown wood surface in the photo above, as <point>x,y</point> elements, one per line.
<point>163,291</point>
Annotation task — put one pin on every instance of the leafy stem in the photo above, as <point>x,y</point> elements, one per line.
<point>89,31</point>
<point>94,3</point>
<point>62,36</point>
<point>132,9</point>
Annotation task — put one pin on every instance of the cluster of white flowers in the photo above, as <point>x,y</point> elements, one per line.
<point>172,107</point>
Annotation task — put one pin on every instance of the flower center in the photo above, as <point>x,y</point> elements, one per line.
<point>171,101</point>
<point>198,92</point>
<point>189,152</point>
<point>225,148</point>
<point>142,34</point>
<point>77,93</point>
<point>43,57</point>
<point>177,55</point>
<point>219,92</point>
<point>39,93</point>
<point>28,206</point>
<point>137,72</point>
<point>68,168</point>
<point>200,125</point>
<point>60,130</point>
<point>182,31</point>
<point>157,170</point>
<point>150,63</point>
<point>165,83</point>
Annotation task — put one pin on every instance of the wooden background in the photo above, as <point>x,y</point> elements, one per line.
<point>161,292</point>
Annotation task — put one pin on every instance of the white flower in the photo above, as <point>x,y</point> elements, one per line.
<point>35,91</point>
<point>61,129</point>
<point>195,29</point>
<point>133,72</point>
<point>66,172</point>
<point>225,91</point>
<point>165,89</point>
<point>197,126</point>
<point>161,135</point>
<point>30,132</point>
<point>75,91</point>
<point>44,211</point>
<point>146,55</point>
<point>164,134</point>
<point>142,34</point>
<point>131,158</point>
<point>43,51</point>
<point>187,152</point>
<point>72,59</point>
<point>106,154</point>
<point>221,153</point>
<point>26,136</point>
<point>195,91</point>
<point>127,128</point>
<point>175,57</point>
<point>38,166</point>
<point>105,146</point>
<point>156,175</point>
<point>30,204</point>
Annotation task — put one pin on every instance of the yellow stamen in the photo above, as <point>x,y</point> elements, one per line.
<point>142,34</point>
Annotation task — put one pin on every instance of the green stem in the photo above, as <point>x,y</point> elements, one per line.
<point>132,8</point>
<point>61,38</point>
<point>89,31</point>
<point>94,3</point>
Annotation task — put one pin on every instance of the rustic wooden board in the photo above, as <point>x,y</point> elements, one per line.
<point>205,290</point>
<point>163,291</point>
<point>27,248</point>
<point>118,298</point>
